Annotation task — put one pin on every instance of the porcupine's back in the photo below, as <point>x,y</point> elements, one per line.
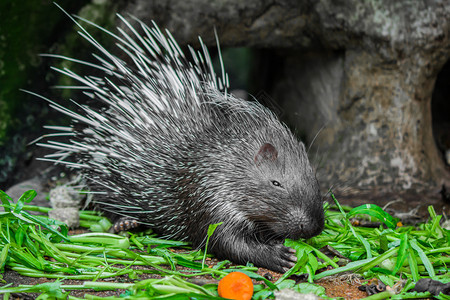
<point>152,103</point>
<point>173,150</point>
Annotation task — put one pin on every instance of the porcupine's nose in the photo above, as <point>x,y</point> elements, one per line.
<point>307,223</point>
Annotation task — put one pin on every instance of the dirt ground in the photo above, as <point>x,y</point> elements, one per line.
<point>345,287</point>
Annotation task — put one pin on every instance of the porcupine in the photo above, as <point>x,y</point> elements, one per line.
<point>173,150</point>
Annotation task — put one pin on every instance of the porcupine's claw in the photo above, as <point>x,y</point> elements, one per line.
<point>124,224</point>
<point>241,249</point>
<point>283,260</point>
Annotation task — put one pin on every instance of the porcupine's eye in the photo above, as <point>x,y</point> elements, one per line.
<point>276,183</point>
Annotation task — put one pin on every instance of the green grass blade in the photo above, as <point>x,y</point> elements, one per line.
<point>364,242</point>
<point>376,212</point>
<point>4,256</point>
<point>25,198</point>
<point>426,262</point>
<point>6,201</point>
<point>352,266</point>
<point>211,229</point>
<point>106,239</point>
<point>412,260</point>
<point>402,253</point>
<point>23,215</point>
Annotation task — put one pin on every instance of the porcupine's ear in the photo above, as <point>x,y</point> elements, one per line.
<point>267,152</point>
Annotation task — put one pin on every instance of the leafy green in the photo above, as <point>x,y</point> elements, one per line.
<point>376,212</point>
<point>38,246</point>
<point>211,229</point>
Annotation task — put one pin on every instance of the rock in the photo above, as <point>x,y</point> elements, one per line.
<point>66,202</point>
<point>34,183</point>
<point>365,71</point>
<point>65,196</point>
<point>372,74</point>
<point>68,215</point>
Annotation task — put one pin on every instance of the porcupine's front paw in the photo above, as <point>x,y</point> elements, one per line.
<point>273,255</point>
<point>281,258</point>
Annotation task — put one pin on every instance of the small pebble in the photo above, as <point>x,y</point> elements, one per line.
<point>287,294</point>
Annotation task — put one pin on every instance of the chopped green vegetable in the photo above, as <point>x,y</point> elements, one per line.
<point>38,246</point>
